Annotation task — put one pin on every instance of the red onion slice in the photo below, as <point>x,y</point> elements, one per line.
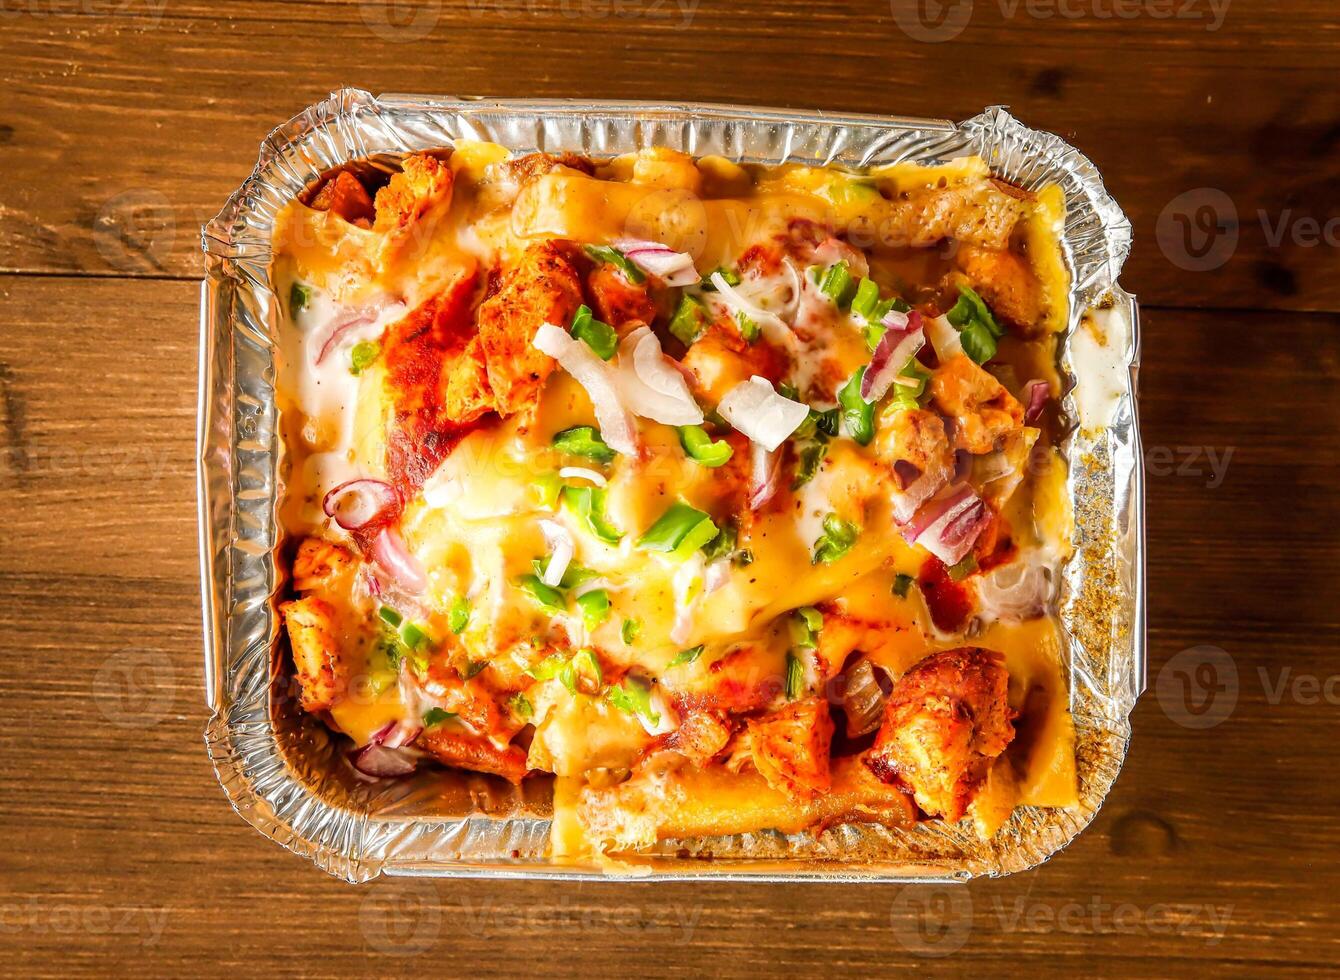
<point>352,320</point>
<point>1036,393</point>
<point>674,268</point>
<point>952,536</point>
<point>598,378</point>
<point>932,510</point>
<point>390,554</point>
<point>355,504</point>
<point>891,355</point>
<point>756,409</point>
<point>766,472</point>
<point>862,699</point>
<point>384,762</point>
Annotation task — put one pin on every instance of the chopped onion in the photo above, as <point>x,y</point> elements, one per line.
<point>391,555</point>
<point>1017,591</point>
<point>992,466</point>
<point>654,388</point>
<point>930,512</point>
<point>597,377</point>
<point>355,504</point>
<point>766,473</point>
<point>561,550</point>
<point>906,500</point>
<point>754,408</point>
<point>667,718</point>
<point>943,337</point>
<point>352,321</point>
<point>687,589</point>
<point>384,762</point>
<point>401,733</point>
<point>951,535</point>
<point>716,575</point>
<point>862,699</point>
<point>582,473</point>
<point>675,268</point>
<point>1036,394</point>
<point>833,250</point>
<point>898,320</point>
<point>774,328</point>
<point>891,355</point>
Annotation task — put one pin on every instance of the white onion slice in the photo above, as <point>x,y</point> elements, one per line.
<point>716,576</point>
<point>1017,591</point>
<point>773,327</point>
<point>582,473</point>
<point>651,385</point>
<point>616,424</point>
<point>754,408</point>
<point>674,268</point>
<point>766,475</point>
<point>943,337</point>
<point>561,549</point>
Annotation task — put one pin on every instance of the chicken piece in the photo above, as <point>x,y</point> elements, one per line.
<point>789,747</point>
<point>977,214</point>
<point>542,287</point>
<point>421,190</point>
<point>311,633</point>
<point>844,633</point>
<point>435,383</point>
<point>945,723</point>
<point>453,746</point>
<point>523,168</point>
<point>319,564</point>
<point>984,413</point>
<point>616,300</point>
<point>720,359</point>
<point>1007,284</point>
<point>701,736</point>
<point>345,196</point>
<point>915,447</point>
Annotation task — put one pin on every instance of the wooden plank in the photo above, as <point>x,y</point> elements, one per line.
<point>1197,123</point>
<point>124,856</point>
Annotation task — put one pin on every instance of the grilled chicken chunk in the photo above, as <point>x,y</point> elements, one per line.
<point>945,722</point>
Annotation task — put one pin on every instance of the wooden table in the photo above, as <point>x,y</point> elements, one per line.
<point>127,122</point>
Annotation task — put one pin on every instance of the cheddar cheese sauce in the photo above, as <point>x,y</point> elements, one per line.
<point>725,494</point>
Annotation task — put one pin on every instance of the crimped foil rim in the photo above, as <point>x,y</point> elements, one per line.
<point>238,483</point>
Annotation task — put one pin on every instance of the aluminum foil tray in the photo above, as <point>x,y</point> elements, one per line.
<point>284,773</point>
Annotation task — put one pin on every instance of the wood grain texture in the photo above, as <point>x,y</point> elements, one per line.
<point>126,124</point>
<point>123,856</point>
<point>1215,122</point>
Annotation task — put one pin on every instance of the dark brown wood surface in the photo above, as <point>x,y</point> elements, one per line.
<point>125,124</point>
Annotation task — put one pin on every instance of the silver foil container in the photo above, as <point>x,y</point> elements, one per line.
<point>286,775</point>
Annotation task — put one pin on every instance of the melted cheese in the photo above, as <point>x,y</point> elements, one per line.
<point>476,527</point>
